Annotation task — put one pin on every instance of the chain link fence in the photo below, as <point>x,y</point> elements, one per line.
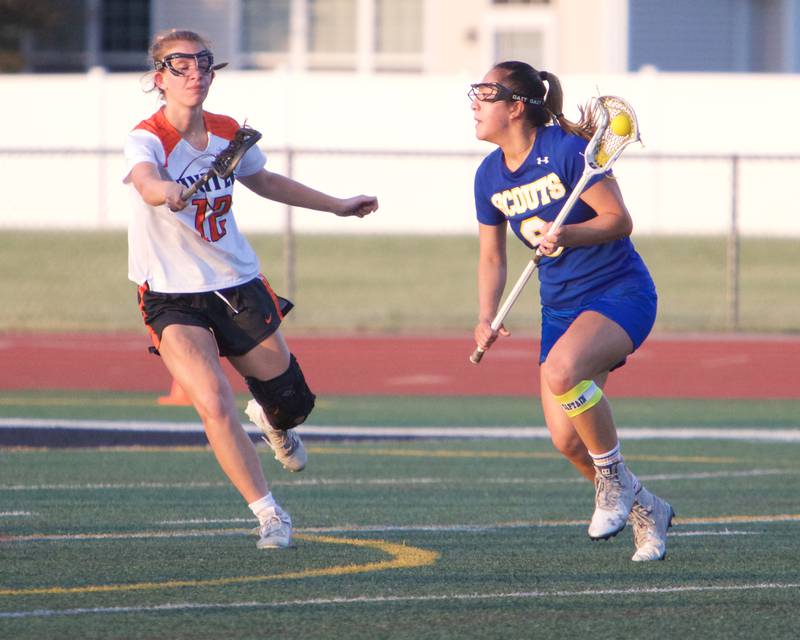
<point>734,197</point>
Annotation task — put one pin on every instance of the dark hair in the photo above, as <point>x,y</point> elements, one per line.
<point>523,79</point>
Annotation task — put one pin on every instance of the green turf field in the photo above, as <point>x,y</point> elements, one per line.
<point>433,539</point>
<point>397,539</point>
<point>414,410</point>
<point>77,282</point>
<point>394,539</point>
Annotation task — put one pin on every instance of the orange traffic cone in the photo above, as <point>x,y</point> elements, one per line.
<point>176,397</point>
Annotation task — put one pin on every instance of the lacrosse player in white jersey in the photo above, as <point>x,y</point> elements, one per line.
<point>200,289</point>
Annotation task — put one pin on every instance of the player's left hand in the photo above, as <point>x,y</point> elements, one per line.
<point>358,206</point>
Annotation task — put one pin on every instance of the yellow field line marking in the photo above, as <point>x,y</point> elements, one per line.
<point>428,453</point>
<point>402,557</point>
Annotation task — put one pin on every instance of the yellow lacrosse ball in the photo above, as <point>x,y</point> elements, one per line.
<point>601,158</point>
<point>621,124</point>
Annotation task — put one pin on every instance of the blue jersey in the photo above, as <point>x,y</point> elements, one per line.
<point>533,195</point>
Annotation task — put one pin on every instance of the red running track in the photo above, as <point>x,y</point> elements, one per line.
<point>665,367</point>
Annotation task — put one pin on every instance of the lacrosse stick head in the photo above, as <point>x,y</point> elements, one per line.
<point>617,127</point>
<point>225,163</point>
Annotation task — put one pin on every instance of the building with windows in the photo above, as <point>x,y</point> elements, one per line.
<point>430,36</point>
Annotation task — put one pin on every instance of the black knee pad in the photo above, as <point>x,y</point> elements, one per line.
<point>286,400</point>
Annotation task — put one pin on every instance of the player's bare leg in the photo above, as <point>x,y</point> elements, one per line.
<point>191,356</point>
<point>592,345</point>
<point>563,435</point>
<point>650,515</point>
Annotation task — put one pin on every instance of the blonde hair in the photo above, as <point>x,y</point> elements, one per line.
<point>160,43</point>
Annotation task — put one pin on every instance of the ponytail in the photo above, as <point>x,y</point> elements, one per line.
<point>527,81</point>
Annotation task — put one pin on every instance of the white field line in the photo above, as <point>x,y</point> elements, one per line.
<point>725,532</point>
<point>313,482</point>
<point>380,528</point>
<point>16,514</point>
<point>635,433</point>
<point>451,597</point>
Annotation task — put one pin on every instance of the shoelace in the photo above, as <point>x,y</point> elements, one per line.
<point>644,524</point>
<point>273,523</point>
<point>608,491</point>
<point>270,524</point>
<point>286,441</point>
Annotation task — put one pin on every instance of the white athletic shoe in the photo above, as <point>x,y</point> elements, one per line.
<point>613,501</point>
<point>651,517</point>
<point>287,445</point>
<point>276,531</point>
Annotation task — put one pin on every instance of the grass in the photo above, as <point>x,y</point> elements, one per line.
<point>412,411</point>
<point>396,540</point>
<point>68,281</point>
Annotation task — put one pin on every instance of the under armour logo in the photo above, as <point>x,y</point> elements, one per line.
<point>545,160</point>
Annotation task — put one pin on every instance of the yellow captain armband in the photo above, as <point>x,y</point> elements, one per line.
<point>582,397</point>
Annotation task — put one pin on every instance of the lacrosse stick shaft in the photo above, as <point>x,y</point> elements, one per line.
<point>502,312</point>
<point>476,356</point>
<point>196,185</point>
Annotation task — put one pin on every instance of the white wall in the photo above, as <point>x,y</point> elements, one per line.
<point>679,114</point>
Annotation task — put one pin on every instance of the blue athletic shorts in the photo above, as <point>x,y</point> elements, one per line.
<point>631,303</point>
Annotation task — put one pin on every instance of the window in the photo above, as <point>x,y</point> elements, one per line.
<point>125,29</point>
<point>398,35</point>
<point>332,26</point>
<point>265,25</point>
<point>527,46</point>
<point>79,34</point>
<point>333,34</point>
<point>61,44</point>
<point>398,26</point>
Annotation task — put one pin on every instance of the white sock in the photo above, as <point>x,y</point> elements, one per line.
<point>264,508</point>
<point>608,458</point>
<point>604,461</point>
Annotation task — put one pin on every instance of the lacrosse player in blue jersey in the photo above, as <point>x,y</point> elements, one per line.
<point>598,300</point>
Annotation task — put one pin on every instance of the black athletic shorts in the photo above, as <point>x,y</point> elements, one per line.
<point>239,317</point>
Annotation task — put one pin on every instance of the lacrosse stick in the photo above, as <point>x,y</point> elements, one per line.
<point>226,160</point>
<point>617,127</point>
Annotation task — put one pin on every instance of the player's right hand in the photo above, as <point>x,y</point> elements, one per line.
<point>485,337</point>
<point>172,196</point>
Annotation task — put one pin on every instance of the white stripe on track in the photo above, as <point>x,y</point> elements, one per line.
<point>452,597</point>
<point>321,431</point>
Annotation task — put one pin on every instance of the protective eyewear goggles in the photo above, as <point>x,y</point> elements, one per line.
<point>179,64</point>
<point>495,92</point>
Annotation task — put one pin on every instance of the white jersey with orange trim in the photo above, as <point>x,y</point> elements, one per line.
<point>199,248</point>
